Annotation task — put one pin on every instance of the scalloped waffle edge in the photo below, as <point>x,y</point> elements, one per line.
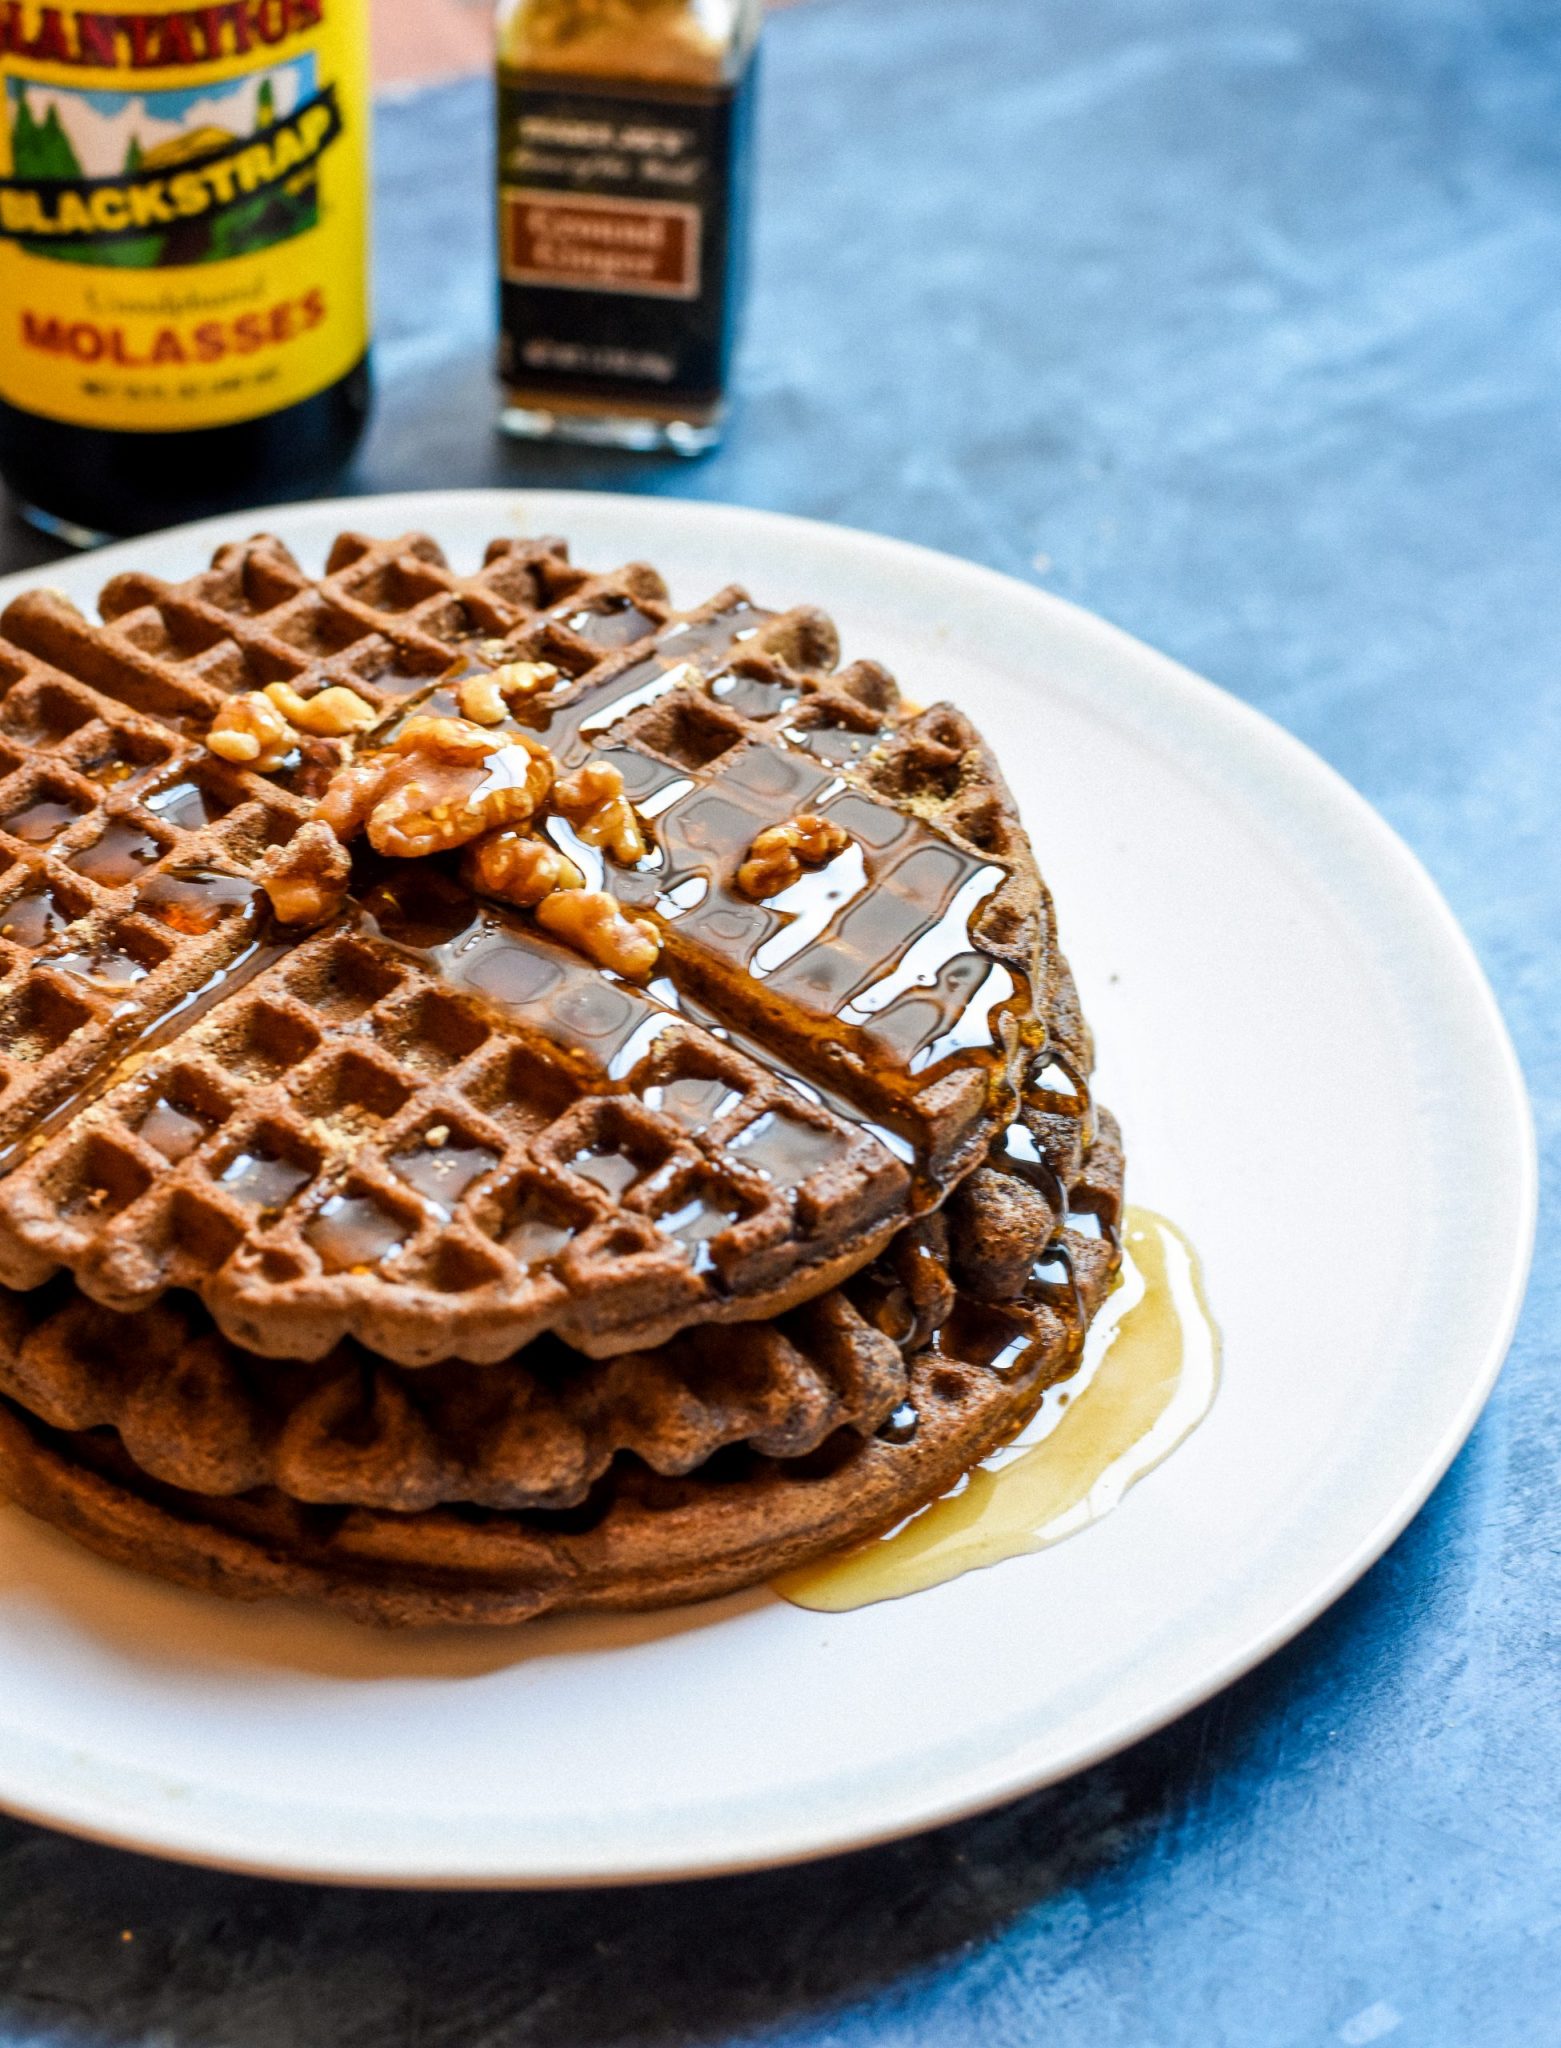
<point>650,1542</point>
<point>283,1204</point>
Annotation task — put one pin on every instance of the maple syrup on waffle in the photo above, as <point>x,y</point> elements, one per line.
<point>1148,1376</point>
<point>864,974</point>
<point>193,901</point>
<point>355,1233</point>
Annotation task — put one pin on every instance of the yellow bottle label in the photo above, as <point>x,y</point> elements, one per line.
<point>183,215</point>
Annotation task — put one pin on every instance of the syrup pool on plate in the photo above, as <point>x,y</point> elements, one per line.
<point>1149,1373</point>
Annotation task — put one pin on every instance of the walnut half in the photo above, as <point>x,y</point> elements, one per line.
<point>260,728</point>
<point>251,732</point>
<point>330,714</point>
<point>442,783</point>
<point>591,797</point>
<point>780,852</point>
<point>489,698</point>
<point>594,923</point>
<point>518,868</point>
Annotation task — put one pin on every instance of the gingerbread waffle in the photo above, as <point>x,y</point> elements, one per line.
<point>429,1126</point>
<point>639,1538</point>
<point>540,1429</point>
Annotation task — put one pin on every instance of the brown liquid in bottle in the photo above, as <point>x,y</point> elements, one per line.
<point>1148,1377</point>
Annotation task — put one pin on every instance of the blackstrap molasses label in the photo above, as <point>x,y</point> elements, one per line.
<point>182,208</point>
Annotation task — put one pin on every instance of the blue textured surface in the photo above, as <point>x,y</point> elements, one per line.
<point>1238,322</point>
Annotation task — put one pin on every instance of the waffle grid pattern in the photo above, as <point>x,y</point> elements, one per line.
<point>642,1540</point>
<point>263,1158</point>
<point>299,1118</point>
<point>104,786</point>
<point>539,1430</point>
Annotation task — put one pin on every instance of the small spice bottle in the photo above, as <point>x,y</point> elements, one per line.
<point>624,166</point>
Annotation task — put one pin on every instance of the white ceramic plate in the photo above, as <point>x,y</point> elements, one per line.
<point>1312,1077</point>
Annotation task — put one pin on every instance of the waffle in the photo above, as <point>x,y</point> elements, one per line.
<point>428,1127</point>
<point>640,1539</point>
<point>538,1431</point>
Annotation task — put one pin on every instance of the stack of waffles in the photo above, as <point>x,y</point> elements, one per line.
<point>446,1259</point>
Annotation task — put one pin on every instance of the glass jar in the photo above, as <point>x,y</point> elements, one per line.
<point>624,168</point>
<point>183,258</point>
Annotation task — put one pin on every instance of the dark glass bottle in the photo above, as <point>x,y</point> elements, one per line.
<point>183,258</point>
<point>624,151</point>
<point>85,484</point>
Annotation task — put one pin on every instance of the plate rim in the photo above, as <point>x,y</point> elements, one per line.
<point>159,1835</point>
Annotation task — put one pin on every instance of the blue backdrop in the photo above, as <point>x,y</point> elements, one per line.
<point>1237,321</point>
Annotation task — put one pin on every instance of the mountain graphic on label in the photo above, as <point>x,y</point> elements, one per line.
<point>156,180</point>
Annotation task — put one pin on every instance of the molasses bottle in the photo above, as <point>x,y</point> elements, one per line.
<point>183,256</point>
<point>624,159</point>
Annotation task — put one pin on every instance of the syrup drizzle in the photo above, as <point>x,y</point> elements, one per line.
<point>1016,1152</point>
<point>119,854</point>
<point>355,1233</point>
<point>442,1174</point>
<point>104,962</point>
<point>681,654</point>
<point>175,1128</point>
<point>191,900</point>
<point>1148,1376</point>
<point>39,822</point>
<point>33,918</point>
<point>264,1178</point>
<point>494,955</point>
<point>694,1222</point>
<point>481,950</point>
<point>871,956</point>
<point>613,624</point>
<point>185,803</point>
<point>879,986</point>
<point>873,984</point>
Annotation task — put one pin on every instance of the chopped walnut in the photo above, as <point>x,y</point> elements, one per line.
<point>433,806</point>
<point>518,868</point>
<point>318,761</point>
<point>328,715</point>
<point>440,784</point>
<point>353,791</point>
<point>521,679</point>
<point>593,922</point>
<point>306,880</point>
<point>444,739</point>
<point>489,698</point>
<point>481,700</point>
<point>587,787</point>
<point>592,798</point>
<point>780,852</point>
<point>615,825</point>
<point>251,731</point>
